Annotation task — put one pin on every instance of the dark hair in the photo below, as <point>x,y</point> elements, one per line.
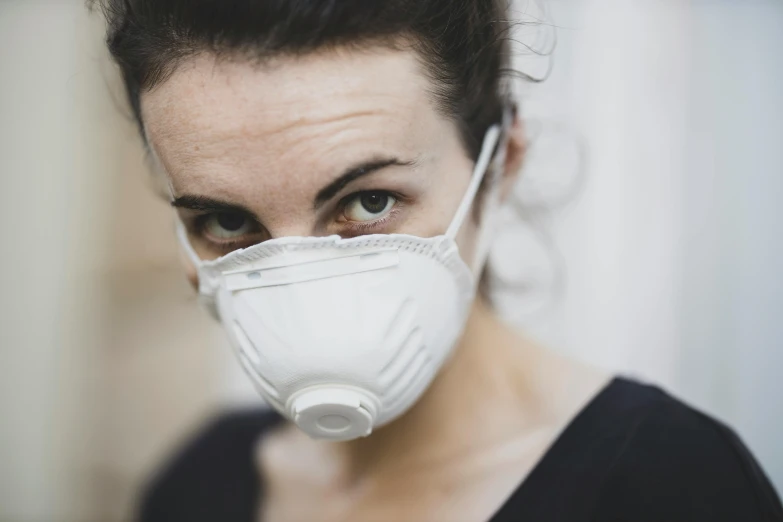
<point>463,44</point>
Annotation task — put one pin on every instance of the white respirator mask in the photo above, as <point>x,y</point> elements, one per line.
<point>344,335</point>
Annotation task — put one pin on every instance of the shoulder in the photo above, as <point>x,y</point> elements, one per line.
<point>212,476</point>
<point>677,463</point>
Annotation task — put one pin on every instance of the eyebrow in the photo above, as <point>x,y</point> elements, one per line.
<point>353,173</point>
<point>207,204</point>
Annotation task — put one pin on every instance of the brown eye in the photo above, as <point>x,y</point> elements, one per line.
<point>228,225</point>
<point>367,206</point>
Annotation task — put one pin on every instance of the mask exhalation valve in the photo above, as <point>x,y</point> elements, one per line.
<point>327,412</point>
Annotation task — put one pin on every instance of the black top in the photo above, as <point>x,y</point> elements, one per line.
<point>633,454</point>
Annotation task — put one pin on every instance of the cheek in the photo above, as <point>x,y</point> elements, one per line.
<point>467,239</point>
<point>436,211</point>
<point>453,187</point>
<point>438,204</point>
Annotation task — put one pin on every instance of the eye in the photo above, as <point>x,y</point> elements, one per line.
<point>367,206</point>
<point>227,225</point>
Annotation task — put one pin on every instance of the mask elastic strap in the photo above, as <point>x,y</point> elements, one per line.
<point>487,147</point>
<point>182,235</point>
<point>491,208</point>
<point>205,283</point>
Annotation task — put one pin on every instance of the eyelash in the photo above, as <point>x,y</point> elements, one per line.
<point>224,245</point>
<point>358,228</point>
<point>351,228</point>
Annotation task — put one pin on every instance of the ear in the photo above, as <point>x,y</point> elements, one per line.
<point>516,146</point>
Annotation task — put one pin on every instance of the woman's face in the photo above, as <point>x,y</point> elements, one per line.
<point>336,142</point>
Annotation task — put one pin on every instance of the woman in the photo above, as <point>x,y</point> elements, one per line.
<point>336,168</point>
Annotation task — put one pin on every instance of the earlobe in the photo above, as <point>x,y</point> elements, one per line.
<point>515,155</point>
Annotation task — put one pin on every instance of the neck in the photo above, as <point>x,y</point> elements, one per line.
<point>460,411</point>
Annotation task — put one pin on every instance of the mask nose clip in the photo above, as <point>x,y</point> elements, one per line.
<point>328,412</point>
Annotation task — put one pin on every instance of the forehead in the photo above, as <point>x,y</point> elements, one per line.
<point>215,117</point>
<point>287,87</point>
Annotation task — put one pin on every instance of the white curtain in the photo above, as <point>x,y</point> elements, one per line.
<point>672,249</point>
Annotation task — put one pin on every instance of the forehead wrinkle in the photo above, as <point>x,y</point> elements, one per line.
<point>318,147</point>
<point>187,148</point>
<point>306,147</point>
<point>247,137</point>
<point>211,126</point>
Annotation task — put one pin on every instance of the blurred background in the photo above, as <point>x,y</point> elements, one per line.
<point>666,116</point>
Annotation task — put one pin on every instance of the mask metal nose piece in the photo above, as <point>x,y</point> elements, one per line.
<point>327,412</point>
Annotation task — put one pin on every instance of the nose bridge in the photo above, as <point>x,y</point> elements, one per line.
<point>285,207</point>
<point>289,218</point>
<point>293,229</point>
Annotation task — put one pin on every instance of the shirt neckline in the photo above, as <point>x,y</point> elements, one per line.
<point>549,461</point>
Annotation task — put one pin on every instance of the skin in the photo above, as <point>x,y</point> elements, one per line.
<point>267,138</point>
